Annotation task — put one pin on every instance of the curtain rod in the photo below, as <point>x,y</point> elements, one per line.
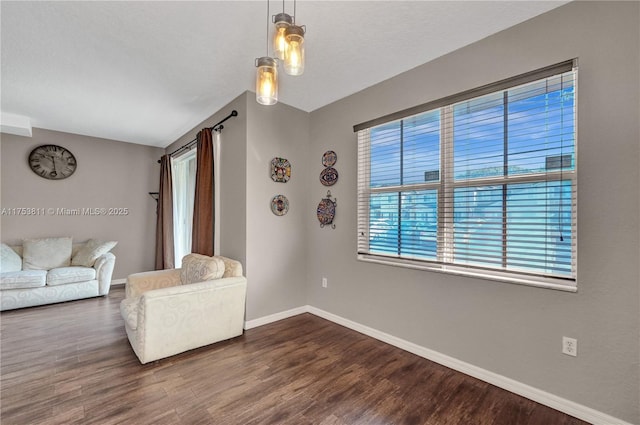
<point>216,127</point>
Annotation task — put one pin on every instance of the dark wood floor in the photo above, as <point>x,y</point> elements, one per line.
<point>72,364</point>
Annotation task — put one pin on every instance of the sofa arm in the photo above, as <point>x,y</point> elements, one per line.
<point>139,283</point>
<point>104,270</point>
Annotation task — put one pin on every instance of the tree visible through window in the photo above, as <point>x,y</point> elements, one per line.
<point>486,183</point>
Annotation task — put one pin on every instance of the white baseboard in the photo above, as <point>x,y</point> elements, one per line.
<point>249,324</point>
<point>569,407</point>
<point>118,281</point>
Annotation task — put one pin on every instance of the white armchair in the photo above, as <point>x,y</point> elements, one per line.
<point>168,312</point>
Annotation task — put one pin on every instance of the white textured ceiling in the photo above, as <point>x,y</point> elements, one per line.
<point>147,72</point>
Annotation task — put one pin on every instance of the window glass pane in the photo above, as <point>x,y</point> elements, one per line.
<point>486,183</point>
<point>421,148</point>
<point>385,155</point>
<point>541,127</point>
<point>383,223</point>
<point>419,224</point>
<point>478,137</point>
<point>539,227</point>
<point>478,226</point>
<point>184,182</point>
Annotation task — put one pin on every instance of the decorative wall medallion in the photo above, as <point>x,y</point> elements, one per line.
<point>329,176</point>
<point>327,210</point>
<point>52,162</point>
<point>280,170</point>
<point>279,205</point>
<point>329,159</point>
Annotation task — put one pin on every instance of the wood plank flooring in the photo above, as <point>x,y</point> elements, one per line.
<point>72,364</point>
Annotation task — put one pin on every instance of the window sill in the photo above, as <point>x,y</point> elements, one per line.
<point>494,275</point>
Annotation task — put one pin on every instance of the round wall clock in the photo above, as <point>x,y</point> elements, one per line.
<point>52,162</point>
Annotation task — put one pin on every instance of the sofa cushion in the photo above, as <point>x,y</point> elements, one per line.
<point>46,253</point>
<point>200,268</point>
<point>129,311</point>
<point>73,274</point>
<point>91,251</point>
<point>232,268</point>
<point>23,279</point>
<point>10,261</point>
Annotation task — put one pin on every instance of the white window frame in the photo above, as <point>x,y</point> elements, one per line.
<point>446,186</point>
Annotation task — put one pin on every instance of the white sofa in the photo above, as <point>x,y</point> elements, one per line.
<point>33,284</point>
<point>168,312</point>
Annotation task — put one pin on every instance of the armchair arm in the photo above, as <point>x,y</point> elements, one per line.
<point>138,283</point>
<point>189,316</point>
<point>104,270</point>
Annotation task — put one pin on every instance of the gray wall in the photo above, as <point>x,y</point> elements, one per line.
<point>110,174</point>
<point>276,245</point>
<point>512,330</point>
<point>233,176</point>
<point>272,249</point>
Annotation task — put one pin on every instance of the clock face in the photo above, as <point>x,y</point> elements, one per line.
<point>52,162</point>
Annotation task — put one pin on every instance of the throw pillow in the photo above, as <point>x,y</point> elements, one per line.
<point>46,254</point>
<point>10,261</point>
<point>91,251</point>
<point>199,268</point>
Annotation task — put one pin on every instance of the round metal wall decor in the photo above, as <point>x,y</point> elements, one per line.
<point>329,176</point>
<point>329,159</point>
<point>279,205</point>
<point>280,170</point>
<point>326,211</point>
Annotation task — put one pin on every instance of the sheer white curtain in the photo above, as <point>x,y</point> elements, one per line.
<point>184,180</point>
<point>216,206</point>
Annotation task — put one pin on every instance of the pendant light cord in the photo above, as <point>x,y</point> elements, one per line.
<point>268,19</point>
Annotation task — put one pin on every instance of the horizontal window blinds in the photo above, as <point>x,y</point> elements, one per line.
<point>488,182</point>
<point>521,79</point>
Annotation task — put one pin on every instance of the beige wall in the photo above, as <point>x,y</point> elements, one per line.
<point>110,174</point>
<point>512,330</point>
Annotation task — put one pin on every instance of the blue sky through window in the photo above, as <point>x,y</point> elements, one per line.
<point>528,130</point>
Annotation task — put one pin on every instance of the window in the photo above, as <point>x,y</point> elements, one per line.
<point>184,183</point>
<point>482,183</point>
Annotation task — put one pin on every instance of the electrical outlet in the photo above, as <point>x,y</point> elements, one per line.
<point>570,346</point>
<point>324,282</point>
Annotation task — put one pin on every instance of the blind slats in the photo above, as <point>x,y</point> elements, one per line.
<point>487,182</point>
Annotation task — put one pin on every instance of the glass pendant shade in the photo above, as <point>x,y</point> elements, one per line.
<point>294,54</point>
<point>267,81</point>
<point>282,22</point>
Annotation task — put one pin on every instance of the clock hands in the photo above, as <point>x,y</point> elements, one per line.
<point>52,158</point>
<point>52,162</point>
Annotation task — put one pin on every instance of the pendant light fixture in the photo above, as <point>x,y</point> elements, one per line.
<point>267,75</point>
<point>282,21</point>
<point>294,52</point>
